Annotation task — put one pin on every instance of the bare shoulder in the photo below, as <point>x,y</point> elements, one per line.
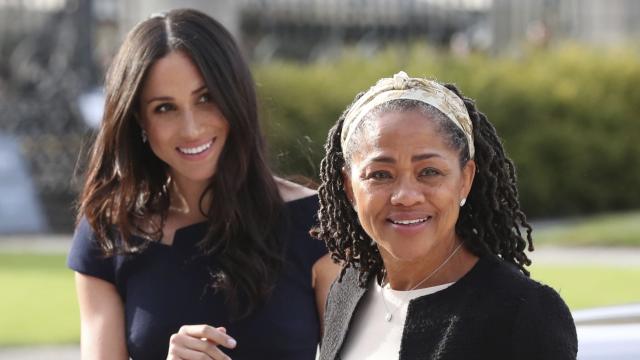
<point>291,191</point>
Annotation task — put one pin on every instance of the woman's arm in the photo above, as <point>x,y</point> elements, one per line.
<point>324,272</point>
<point>101,318</point>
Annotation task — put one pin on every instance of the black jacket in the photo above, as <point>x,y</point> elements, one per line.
<point>492,312</point>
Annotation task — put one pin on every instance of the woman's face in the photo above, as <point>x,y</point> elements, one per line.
<point>185,128</point>
<point>406,185</point>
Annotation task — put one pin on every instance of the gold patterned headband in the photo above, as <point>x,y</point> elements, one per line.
<point>401,86</point>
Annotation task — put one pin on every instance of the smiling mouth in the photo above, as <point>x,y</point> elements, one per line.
<point>198,149</point>
<point>410,222</point>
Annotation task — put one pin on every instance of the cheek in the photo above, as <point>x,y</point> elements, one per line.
<point>447,203</point>
<point>158,132</point>
<point>369,199</point>
<point>160,140</point>
<point>215,119</point>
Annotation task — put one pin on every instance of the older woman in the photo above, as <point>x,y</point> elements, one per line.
<point>419,203</point>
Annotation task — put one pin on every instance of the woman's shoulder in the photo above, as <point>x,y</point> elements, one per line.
<point>534,298</point>
<point>87,256</point>
<point>545,321</point>
<point>505,282</point>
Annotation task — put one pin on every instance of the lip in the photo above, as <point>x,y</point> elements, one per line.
<point>192,145</point>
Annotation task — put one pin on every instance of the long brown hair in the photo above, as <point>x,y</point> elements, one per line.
<point>126,184</point>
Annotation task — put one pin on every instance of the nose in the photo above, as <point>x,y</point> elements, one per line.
<point>407,193</point>
<point>190,125</point>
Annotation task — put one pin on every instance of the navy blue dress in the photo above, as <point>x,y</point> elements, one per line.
<point>163,288</point>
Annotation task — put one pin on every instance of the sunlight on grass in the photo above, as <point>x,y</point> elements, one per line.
<point>602,230</point>
<point>583,286</point>
<point>38,305</point>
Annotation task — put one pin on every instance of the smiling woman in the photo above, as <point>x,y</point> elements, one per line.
<point>419,203</point>
<point>181,122</point>
<point>406,185</point>
<point>187,246</point>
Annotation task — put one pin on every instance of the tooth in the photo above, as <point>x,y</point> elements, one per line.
<point>409,222</point>
<point>196,150</point>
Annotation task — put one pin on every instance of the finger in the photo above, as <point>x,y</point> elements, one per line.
<point>210,333</point>
<point>188,354</point>
<point>222,328</point>
<point>183,341</point>
<point>174,357</point>
<point>177,347</point>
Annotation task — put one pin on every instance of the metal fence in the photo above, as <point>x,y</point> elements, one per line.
<point>313,29</point>
<point>45,66</point>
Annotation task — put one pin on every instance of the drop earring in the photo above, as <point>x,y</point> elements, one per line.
<point>463,201</point>
<point>144,136</point>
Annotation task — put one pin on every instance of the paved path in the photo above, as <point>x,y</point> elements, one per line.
<point>67,352</point>
<point>60,244</point>
<point>617,256</point>
<point>543,254</point>
<point>36,243</point>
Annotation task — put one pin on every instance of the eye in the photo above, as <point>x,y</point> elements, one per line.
<point>430,172</point>
<point>379,175</point>
<point>204,98</point>
<point>163,108</point>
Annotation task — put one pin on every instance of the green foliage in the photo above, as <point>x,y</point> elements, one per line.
<point>38,303</point>
<point>567,116</point>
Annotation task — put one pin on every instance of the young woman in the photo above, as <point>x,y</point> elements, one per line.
<point>187,247</point>
<point>419,202</point>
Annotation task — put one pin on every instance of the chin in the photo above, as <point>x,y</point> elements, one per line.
<point>405,253</point>
<point>197,176</point>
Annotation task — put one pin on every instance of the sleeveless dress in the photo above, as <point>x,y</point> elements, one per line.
<point>162,288</point>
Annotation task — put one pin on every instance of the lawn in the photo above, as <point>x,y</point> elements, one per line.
<point>584,286</point>
<point>40,305</point>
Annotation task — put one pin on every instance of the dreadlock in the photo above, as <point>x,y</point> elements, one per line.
<point>491,222</point>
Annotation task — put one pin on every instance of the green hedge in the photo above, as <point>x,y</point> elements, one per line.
<point>568,116</point>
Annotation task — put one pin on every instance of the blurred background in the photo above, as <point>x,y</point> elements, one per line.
<point>558,78</point>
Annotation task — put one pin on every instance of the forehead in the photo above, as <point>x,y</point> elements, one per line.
<point>173,71</point>
<point>398,133</point>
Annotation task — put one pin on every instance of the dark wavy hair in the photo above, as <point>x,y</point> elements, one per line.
<point>126,184</point>
<point>491,222</point>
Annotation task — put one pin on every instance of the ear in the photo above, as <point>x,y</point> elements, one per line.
<point>348,188</point>
<point>468,174</point>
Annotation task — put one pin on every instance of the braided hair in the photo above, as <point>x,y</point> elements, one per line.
<point>491,222</point>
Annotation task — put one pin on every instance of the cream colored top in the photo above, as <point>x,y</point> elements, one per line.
<point>371,336</point>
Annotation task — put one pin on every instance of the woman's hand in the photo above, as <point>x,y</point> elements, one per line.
<point>199,342</point>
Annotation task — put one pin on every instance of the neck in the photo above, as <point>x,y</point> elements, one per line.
<point>185,199</point>
<point>444,264</point>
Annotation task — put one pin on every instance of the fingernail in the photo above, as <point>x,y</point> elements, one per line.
<point>231,342</point>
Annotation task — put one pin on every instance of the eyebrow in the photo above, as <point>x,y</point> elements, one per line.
<point>168,98</point>
<point>414,158</point>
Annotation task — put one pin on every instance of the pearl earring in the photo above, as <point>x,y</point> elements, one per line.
<point>463,201</point>
<point>144,136</point>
